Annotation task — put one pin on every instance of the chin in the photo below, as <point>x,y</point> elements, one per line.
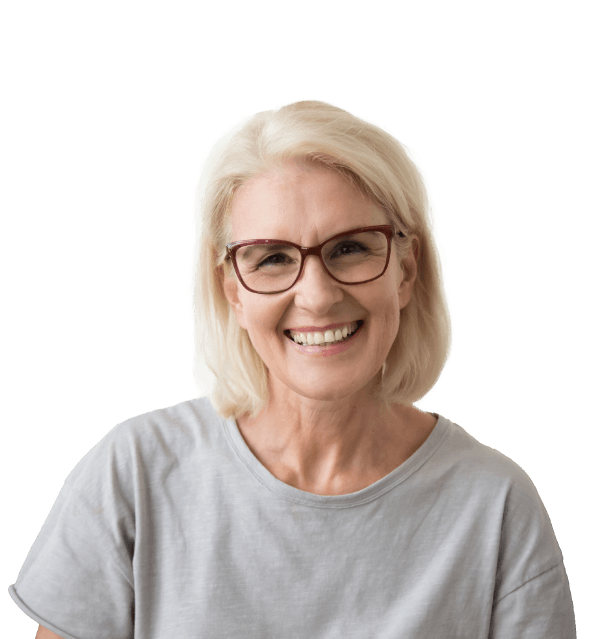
<point>318,390</point>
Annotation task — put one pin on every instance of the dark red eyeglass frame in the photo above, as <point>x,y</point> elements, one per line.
<point>387,229</point>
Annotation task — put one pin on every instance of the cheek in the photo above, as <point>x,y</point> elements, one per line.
<point>390,323</point>
<point>389,317</point>
<point>261,320</point>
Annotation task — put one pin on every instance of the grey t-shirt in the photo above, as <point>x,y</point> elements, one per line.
<point>170,527</point>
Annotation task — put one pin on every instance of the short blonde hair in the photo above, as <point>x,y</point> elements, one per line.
<point>379,165</point>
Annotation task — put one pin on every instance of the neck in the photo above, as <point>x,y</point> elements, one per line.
<point>330,447</point>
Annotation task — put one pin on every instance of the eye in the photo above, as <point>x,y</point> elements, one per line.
<point>348,248</point>
<point>276,259</point>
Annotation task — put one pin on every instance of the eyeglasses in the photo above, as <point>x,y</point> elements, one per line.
<point>356,256</point>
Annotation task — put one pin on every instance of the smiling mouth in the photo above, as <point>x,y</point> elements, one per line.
<point>325,338</point>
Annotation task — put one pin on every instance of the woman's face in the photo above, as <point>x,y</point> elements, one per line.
<point>307,205</point>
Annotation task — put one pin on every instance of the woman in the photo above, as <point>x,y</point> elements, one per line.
<point>309,498</point>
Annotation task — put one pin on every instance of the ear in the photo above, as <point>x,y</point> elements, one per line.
<point>230,288</point>
<point>407,272</point>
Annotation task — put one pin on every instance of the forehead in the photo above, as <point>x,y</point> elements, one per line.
<point>300,203</point>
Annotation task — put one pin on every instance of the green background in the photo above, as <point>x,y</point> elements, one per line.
<point>108,109</point>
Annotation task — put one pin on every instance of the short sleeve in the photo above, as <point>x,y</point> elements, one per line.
<point>77,579</point>
<point>532,595</point>
<point>542,608</point>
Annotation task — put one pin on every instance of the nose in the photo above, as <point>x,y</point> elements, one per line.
<point>315,289</point>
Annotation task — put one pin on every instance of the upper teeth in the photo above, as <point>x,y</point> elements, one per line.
<point>328,336</point>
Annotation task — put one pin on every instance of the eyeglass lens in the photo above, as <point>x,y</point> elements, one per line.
<point>353,258</point>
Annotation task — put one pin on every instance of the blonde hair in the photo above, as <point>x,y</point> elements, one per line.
<point>378,164</point>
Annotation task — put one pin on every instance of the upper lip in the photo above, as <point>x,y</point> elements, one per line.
<point>319,329</point>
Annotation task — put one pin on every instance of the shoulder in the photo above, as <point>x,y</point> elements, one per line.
<point>476,475</point>
<point>461,455</point>
<point>167,436</point>
<point>446,454</point>
<point>506,499</point>
<point>189,423</point>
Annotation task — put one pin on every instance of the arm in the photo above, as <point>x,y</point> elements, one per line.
<point>44,633</point>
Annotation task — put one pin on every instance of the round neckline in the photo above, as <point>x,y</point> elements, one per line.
<point>371,492</point>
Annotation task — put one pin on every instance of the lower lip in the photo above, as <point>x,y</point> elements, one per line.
<point>325,351</point>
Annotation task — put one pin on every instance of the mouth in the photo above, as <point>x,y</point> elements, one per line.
<point>325,338</point>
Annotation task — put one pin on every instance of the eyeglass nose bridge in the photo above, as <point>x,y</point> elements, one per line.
<point>314,250</point>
